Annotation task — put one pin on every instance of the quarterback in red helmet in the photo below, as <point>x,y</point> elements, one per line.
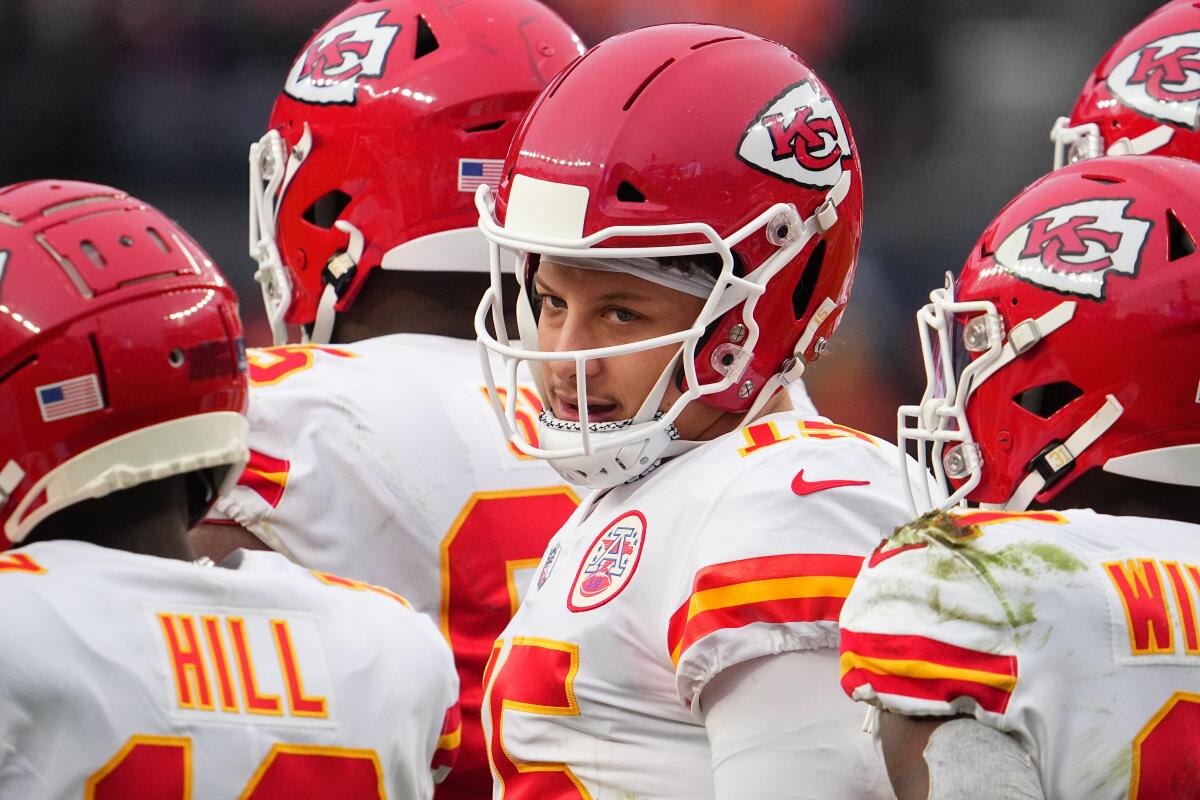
<point>374,452</point>
<point>683,207</point>
<point>1045,643</point>
<point>122,387</point>
<point>1143,96</point>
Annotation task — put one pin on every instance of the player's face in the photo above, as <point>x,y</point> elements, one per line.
<point>584,308</point>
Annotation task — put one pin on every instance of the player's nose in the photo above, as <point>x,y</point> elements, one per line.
<point>574,334</point>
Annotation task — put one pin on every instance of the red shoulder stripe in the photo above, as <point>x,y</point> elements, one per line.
<point>927,669</point>
<point>450,740</point>
<point>774,589</point>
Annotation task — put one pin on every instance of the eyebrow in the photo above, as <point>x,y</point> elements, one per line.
<point>540,287</point>
<point>613,296</point>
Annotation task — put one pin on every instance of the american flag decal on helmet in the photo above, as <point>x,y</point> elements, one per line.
<point>475,172</point>
<point>69,398</point>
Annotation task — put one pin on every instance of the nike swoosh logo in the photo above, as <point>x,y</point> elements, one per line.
<point>802,487</point>
<point>879,555</point>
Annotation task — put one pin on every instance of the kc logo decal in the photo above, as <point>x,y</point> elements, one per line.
<point>609,563</point>
<point>329,69</point>
<point>799,137</point>
<point>1073,248</point>
<point>1162,80</point>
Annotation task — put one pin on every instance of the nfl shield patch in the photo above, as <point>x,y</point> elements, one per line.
<point>609,563</point>
<point>548,564</point>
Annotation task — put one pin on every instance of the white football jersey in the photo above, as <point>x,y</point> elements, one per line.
<point>126,675</point>
<point>743,547</point>
<point>383,461</point>
<point>1074,632</point>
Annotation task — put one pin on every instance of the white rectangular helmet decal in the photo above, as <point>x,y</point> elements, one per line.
<point>546,209</point>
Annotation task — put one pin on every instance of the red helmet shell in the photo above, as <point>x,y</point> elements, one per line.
<point>1116,236</point>
<point>1149,78</point>
<point>395,94</point>
<point>112,320</point>
<point>689,123</point>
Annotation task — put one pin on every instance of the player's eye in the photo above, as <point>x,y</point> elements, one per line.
<point>622,315</point>
<point>544,302</point>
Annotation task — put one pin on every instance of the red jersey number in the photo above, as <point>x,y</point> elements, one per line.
<point>496,535</point>
<point>160,768</point>
<point>1166,753</point>
<point>538,677</point>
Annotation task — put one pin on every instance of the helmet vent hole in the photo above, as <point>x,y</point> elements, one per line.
<point>175,358</point>
<point>1047,400</point>
<point>94,255</point>
<point>101,377</point>
<point>1179,242</point>
<point>159,240</point>
<point>649,79</point>
<point>698,45</point>
<point>487,126</point>
<point>126,241</point>
<point>326,209</point>
<point>426,41</point>
<point>560,77</point>
<point>1103,179</point>
<point>628,193</point>
<point>802,294</point>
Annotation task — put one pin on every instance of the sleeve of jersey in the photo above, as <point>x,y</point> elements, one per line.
<point>924,634</point>
<point>772,566</point>
<point>447,745</point>
<point>306,446</point>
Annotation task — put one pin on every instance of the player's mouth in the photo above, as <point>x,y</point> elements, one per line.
<point>566,408</point>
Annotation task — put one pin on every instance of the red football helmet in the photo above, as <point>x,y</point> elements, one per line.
<point>1143,96</point>
<point>392,115</point>
<point>121,356</point>
<point>1071,339</point>
<point>680,140</point>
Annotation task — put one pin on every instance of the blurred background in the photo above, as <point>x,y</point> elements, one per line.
<point>951,104</point>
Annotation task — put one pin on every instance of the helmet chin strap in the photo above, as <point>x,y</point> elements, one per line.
<point>1058,458</point>
<point>624,463</point>
<point>1148,142</point>
<point>10,478</point>
<point>322,327</point>
<point>338,273</point>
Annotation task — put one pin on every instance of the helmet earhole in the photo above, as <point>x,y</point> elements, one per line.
<point>803,292</point>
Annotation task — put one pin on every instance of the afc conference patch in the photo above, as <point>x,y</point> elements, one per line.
<point>69,398</point>
<point>476,172</point>
<point>609,563</point>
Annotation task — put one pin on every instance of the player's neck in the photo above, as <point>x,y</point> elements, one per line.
<point>150,519</point>
<point>724,422</point>
<point>1119,496</point>
<point>431,303</point>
